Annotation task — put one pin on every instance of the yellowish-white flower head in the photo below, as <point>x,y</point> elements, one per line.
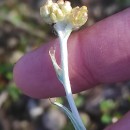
<point>61,11</point>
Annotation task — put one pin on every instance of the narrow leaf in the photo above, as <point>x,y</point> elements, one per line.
<point>58,70</point>
<point>74,121</point>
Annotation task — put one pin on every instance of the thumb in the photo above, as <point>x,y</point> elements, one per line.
<point>123,124</point>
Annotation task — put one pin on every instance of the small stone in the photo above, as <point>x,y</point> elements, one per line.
<point>15,56</point>
<point>54,120</point>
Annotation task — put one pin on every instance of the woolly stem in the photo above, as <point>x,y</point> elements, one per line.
<point>63,37</point>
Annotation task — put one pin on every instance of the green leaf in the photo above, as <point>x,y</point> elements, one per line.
<point>74,121</point>
<point>107,105</point>
<point>14,92</point>
<point>79,101</point>
<point>106,119</point>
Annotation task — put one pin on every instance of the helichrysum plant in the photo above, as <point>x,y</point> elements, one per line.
<point>65,19</point>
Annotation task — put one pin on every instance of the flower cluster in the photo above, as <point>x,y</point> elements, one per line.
<point>61,11</point>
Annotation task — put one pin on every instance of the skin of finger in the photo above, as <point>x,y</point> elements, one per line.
<point>98,54</point>
<point>123,124</point>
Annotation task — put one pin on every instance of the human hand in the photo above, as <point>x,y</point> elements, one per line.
<point>99,54</point>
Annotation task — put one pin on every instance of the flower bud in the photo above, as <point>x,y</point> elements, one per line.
<point>60,15</point>
<point>49,2</point>
<point>78,16</point>
<point>44,11</point>
<point>60,2</point>
<point>53,18</point>
<point>54,8</point>
<point>66,8</point>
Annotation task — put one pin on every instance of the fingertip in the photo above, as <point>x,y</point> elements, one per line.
<point>35,76</point>
<point>21,76</point>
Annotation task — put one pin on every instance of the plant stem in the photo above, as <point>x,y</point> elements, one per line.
<point>63,37</point>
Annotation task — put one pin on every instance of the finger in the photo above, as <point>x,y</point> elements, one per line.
<point>123,124</point>
<point>98,54</point>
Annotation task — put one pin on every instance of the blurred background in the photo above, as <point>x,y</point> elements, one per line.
<point>22,30</point>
